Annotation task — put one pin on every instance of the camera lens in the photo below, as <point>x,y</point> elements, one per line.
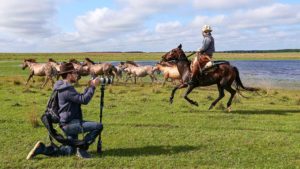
<point>106,80</point>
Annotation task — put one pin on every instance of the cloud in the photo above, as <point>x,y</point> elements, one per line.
<point>273,15</point>
<point>149,25</point>
<point>228,4</point>
<point>27,18</point>
<point>104,23</point>
<point>168,27</point>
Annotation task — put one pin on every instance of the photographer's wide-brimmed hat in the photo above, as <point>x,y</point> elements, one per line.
<point>66,68</point>
<point>206,28</point>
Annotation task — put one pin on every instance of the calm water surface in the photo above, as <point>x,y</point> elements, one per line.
<point>264,73</point>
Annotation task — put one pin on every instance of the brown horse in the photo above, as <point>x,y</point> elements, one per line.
<point>80,69</point>
<point>56,65</point>
<point>104,69</point>
<point>223,74</point>
<point>39,69</point>
<point>169,71</point>
<point>134,70</point>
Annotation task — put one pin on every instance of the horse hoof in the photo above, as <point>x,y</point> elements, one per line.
<point>171,101</point>
<point>196,104</point>
<point>229,109</point>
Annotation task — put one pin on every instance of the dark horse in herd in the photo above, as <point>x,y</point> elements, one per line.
<point>222,73</point>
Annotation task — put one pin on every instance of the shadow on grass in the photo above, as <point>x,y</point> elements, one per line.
<point>146,125</point>
<point>264,112</point>
<point>147,151</point>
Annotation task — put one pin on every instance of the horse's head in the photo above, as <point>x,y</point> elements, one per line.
<point>156,68</point>
<point>88,62</point>
<point>74,61</point>
<point>52,60</point>
<point>26,62</point>
<point>174,54</point>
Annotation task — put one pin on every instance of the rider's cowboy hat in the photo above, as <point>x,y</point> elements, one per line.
<point>206,28</point>
<point>66,68</point>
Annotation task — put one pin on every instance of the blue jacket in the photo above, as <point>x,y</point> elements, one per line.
<point>208,44</point>
<point>70,101</point>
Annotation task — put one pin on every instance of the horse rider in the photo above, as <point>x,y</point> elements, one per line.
<point>71,121</point>
<point>207,50</point>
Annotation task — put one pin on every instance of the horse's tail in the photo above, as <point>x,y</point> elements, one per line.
<point>239,82</point>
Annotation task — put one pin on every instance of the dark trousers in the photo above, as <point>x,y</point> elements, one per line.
<point>72,129</point>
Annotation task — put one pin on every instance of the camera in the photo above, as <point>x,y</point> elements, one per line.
<point>106,80</point>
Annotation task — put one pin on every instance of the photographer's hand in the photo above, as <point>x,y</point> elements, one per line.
<point>95,82</point>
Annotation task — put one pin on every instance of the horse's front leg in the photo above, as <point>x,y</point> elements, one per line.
<point>46,80</point>
<point>182,85</point>
<point>164,82</point>
<point>52,81</point>
<point>152,79</point>
<point>30,76</point>
<point>188,91</point>
<point>134,76</point>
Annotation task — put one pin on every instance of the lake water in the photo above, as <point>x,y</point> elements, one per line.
<point>259,73</point>
<point>263,73</point>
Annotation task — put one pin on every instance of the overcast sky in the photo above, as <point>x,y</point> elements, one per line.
<point>146,25</point>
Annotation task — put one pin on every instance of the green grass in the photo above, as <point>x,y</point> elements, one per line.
<point>142,130</point>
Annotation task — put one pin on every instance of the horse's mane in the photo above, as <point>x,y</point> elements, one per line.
<point>74,61</point>
<point>31,60</point>
<point>89,60</point>
<point>132,63</point>
<point>168,64</point>
<point>51,60</point>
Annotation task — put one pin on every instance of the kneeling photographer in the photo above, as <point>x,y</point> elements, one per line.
<point>70,116</point>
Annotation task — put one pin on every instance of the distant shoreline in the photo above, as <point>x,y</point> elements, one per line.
<point>42,57</point>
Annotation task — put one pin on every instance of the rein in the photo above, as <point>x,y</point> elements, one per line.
<point>191,54</point>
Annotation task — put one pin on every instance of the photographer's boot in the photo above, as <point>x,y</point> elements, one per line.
<point>39,148</point>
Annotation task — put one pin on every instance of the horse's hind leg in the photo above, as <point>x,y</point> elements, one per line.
<point>232,92</point>
<point>221,95</point>
<point>188,91</point>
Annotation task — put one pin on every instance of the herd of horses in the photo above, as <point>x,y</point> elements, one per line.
<point>130,69</point>
<point>174,65</point>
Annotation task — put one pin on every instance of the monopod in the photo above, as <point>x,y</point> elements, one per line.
<point>103,82</point>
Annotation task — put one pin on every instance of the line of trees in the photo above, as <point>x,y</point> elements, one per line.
<point>261,51</point>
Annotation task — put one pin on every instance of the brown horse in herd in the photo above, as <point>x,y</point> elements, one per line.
<point>223,74</point>
<point>135,70</point>
<point>40,69</point>
<point>102,69</point>
<point>169,71</point>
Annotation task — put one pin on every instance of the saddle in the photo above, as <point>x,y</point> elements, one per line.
<point>215,66</point>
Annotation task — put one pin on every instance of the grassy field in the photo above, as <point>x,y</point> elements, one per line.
<point>142,130</point>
